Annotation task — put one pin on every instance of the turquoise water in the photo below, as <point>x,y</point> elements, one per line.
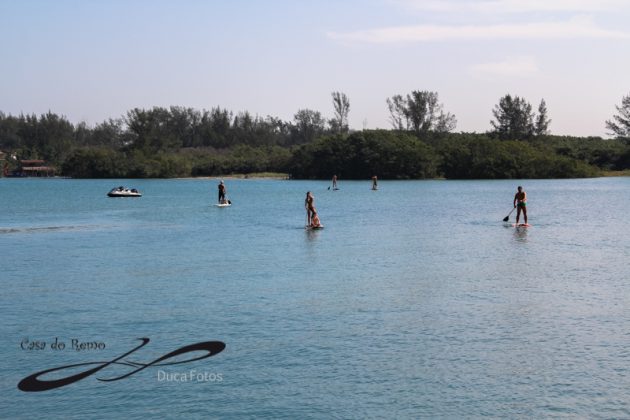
<point>414,301</point>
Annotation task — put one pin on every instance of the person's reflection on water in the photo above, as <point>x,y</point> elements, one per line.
<point>520,234</point>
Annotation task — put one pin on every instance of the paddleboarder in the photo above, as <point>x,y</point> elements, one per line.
<point>309,205</point>
<point>374,183</point>
<point>520,203</point>
<point>221,192</point>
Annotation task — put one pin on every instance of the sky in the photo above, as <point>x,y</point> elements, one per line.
<point>91,60</point>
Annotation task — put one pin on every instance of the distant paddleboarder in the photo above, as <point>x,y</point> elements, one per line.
<point>374,183</point>
<point>222,193</point>
<point>334,182</point>
<point>520,203</point>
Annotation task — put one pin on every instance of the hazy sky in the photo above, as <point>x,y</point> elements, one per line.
<point>91,60</point>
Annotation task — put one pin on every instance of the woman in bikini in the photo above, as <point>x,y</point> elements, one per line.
<point>310,208</point>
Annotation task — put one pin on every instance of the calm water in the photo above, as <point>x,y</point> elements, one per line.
<point>414,301</point>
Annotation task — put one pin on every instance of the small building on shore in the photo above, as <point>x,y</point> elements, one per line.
<point>34,167</point>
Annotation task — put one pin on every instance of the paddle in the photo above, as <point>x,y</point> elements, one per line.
<point>506,218</point>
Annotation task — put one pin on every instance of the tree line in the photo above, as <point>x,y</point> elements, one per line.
<point>178,141</point>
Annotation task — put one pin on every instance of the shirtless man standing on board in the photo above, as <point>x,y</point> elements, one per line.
<point>222,193</point>
<point>520,202</point>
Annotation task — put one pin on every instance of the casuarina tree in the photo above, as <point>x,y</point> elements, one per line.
<point>620,124</point>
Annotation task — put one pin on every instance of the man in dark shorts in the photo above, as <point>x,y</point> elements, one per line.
<point>520,202</point>
<point>221,192</point>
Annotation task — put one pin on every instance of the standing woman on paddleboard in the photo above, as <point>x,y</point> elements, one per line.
<point>310,207</point>
<point>520,202</point>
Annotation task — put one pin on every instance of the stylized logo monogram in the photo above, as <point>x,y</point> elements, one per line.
<point>32,383</point>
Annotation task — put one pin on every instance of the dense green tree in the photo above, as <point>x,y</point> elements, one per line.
<point>421,108</point>
<point>152,130</point>
<point>605,154</point>
<point>240,159</point>
<point>363,154</point>
<point>514,118</point>
<point>110,133</point>
<point>10,138</point>
<point>308,125</point>
<point>49,137</point>
<point>177,141</point>
<point>183,124</point>
<point>257,131</point>
<point>421,111</point>
<point>481,157</point>
<point>95,163</point>
<point>215,127</point>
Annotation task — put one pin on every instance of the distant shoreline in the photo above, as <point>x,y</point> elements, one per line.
<point>287,177</point>
<point>605,174</point>
<point>254,175</point>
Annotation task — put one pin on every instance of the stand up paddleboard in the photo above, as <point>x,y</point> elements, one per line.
<point>521,225</point>
<point>223,205</point>
<point>314,227</point>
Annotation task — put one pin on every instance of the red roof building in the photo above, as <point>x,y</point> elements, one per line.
<point>35,167</point>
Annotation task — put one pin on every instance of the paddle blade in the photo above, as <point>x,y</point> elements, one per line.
<point>506,218</point>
